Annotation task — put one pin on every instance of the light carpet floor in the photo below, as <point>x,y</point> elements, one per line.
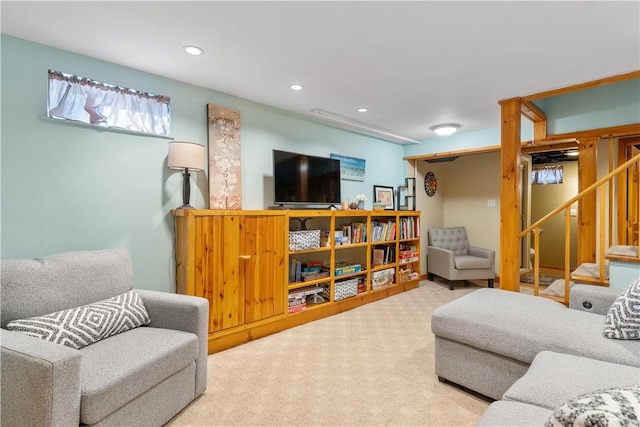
<point>370,366</point>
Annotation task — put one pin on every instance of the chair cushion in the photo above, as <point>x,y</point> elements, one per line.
<point>124,366</point>
<point>623,319</point>
<point>35,287</point>
<point>78,327</point>
<point>451,238</point>
<point>468,262</point>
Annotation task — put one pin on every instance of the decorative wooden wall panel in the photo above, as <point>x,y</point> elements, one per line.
<point>225,184</point>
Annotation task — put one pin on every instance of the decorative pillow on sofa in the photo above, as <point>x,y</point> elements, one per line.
<point>78,327</point>
<point>623,319</point>
<point>604,408</point>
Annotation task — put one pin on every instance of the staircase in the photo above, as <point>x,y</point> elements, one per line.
<point>615,263</point>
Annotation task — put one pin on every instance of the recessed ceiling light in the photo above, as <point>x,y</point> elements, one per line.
<point>362,110</point>
<point>296,87</point>
<point>193,50</point>
<point>445,129</point>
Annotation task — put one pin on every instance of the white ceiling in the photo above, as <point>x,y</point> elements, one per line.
<point>413,64</point>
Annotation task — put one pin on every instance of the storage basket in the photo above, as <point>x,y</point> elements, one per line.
<point>345,289</point>
<point>304,240</point>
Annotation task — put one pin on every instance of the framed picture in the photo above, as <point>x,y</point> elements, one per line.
<point>384,195</point>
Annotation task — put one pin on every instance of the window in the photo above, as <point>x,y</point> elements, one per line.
<point>546,175</point>
<point>85,100</point>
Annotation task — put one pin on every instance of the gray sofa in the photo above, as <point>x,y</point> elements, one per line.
<point>507,345</point>
<point>143,376</point>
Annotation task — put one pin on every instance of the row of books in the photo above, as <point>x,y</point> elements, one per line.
<point>383,231</point>
<point>410,227</point>
<point>382,255</point>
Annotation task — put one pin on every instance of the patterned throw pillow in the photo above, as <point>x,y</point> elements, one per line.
<point>78,327</point>
<point>604,408</point>
<point>623,319</point>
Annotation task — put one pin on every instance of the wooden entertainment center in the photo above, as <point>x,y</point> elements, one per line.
<point>263,272</point>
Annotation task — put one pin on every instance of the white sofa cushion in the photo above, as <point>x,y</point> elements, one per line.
<point>614,407</point>
<point>78,327</point>
<point>623,319</point>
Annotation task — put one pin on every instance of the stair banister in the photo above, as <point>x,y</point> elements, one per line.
<point>535,227</point>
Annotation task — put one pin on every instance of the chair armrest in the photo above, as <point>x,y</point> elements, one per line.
<point>183,313</point>
<point>482,253</point>
<point>440,262</point>
<point>490,254</point>
<point>593,298</point>
<point>40,381</point>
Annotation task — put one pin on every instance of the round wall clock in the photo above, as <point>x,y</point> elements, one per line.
<point>430,184</point>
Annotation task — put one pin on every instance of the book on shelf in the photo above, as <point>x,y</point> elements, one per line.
<point>378,256</point>
<point>297,308</point>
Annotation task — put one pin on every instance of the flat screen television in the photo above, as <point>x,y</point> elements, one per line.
<point>303,179</point>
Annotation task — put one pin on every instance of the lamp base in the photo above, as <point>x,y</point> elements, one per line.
<point>185,207</point>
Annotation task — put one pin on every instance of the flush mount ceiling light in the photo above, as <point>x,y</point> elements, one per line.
<point>572,153</point>
<point>362,110</point>
<point>445,129</point>
<point>193,50</point>
<point>296,87</point>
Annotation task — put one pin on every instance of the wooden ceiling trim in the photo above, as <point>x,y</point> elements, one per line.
<point>582,86</point>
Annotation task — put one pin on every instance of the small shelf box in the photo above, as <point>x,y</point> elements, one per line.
<point>304,240</point>
<point>346,289</point>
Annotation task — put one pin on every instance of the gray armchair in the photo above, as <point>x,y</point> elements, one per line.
<point>450,256</point>
<point>143,376</point>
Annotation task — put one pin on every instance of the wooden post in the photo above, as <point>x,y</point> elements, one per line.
<point>587,175</point>
<point>510,195</point>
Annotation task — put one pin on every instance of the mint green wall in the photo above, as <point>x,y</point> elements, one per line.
<point>68,188</point>
<point>599,107</point>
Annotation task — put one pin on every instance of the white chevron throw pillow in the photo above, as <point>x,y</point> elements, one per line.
<point>623,319</point>
<point>78,327</point>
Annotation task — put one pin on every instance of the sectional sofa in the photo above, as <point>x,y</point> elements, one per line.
<point>532,354</point>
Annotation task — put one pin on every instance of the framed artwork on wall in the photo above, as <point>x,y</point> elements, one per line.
<point>225,184</point>
<point>384,195</point>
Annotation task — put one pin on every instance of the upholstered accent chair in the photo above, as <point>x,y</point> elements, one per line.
<point>450,256</point>
<point>141,377</point>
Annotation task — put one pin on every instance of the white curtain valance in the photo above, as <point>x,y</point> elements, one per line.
<point>547,175</point>
<point>85,100</point>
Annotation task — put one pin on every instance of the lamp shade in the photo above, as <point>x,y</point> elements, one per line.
<point>186,155</point>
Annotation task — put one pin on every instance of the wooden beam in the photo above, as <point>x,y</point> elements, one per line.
<point>528,149</point>
<point>510,195</point>
<point>532,111</point>
<point>582,86</point>
<point>465,152</point>
<point>587,175</point>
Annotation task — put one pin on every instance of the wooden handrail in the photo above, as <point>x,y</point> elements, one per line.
<point>535,228</point>
<point>589,189</point>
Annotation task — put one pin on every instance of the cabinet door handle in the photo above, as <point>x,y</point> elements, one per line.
<point>245,257</point>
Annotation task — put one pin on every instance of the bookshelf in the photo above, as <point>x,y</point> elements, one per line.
<point>266,271</point>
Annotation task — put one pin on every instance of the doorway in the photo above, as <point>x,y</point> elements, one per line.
<point>628,194</point>
<point>547,195</point>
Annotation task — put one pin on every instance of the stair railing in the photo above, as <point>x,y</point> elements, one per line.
<point>566,206</point>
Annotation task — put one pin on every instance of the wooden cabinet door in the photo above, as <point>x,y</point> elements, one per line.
<point>263,264</point>
<point>241,268</point>
<point>221,270</point>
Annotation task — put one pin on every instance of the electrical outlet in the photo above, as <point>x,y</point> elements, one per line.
<point>491,203</point>
<point>573,212</point>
